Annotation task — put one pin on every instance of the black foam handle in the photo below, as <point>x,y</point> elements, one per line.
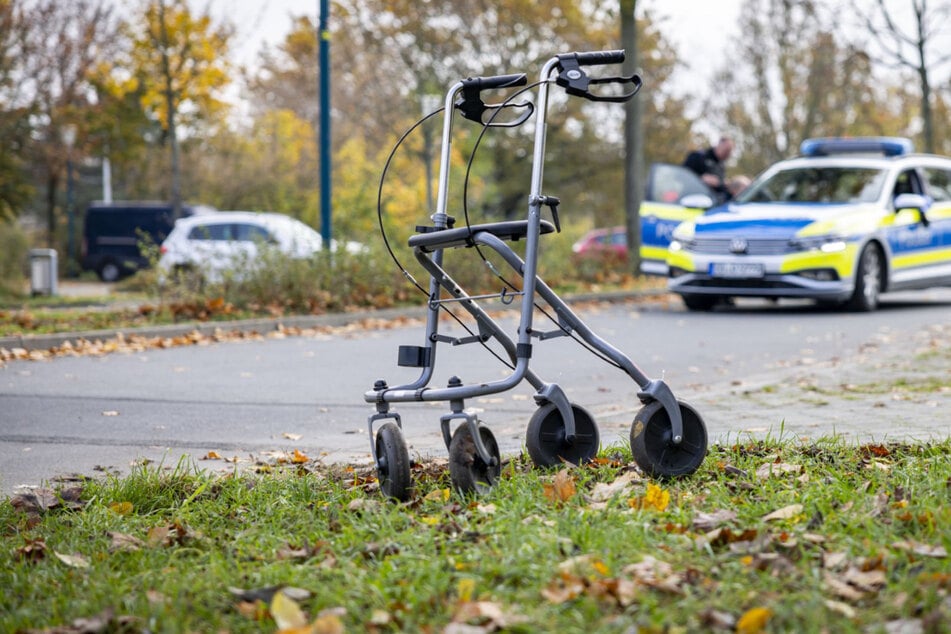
<point>598,58</point>
<point>498,81</point>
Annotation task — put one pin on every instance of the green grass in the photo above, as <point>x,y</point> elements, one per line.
<point>860,540</point>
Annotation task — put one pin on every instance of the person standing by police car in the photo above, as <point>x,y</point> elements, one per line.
<point>710,166</point>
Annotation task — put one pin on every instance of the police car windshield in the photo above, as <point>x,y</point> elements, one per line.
<point>835,185</point>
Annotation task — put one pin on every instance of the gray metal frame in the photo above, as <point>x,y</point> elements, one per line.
<point>519,350</point>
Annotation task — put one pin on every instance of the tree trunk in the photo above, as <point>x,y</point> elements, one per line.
<point>176,194</point>
<point>633,142</point>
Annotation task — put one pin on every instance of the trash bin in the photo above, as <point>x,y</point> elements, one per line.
<point>43,271</point>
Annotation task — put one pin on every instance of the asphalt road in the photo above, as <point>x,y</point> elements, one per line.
<point>755,369</point>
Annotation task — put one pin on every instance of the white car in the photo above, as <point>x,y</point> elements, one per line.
<point>233,241</point>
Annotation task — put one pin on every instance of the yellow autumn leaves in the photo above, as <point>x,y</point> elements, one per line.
<point>563,487</point>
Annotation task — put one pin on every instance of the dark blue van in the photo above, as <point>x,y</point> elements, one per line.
<point>112,233</point>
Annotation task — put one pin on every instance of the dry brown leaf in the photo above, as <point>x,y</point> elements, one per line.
<point>922,550</point>
<point>124,542</point>
<point>785,513</point>
<point>708,521</point>
<point>776,468</point>
<point>562,488</point>
<point>605,491</point>
<point>73,561</point>
<point>32,550</point>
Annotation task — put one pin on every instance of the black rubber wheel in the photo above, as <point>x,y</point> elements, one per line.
<point>700,303</point>
<point>545,438</point>
<point>392,462</point>
<point>868,280</point>
<point>652,441</point>
<point>467,470</point>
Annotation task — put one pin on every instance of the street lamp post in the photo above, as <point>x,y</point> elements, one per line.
<point>69,139</point>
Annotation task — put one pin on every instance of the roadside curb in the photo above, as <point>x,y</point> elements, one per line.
<point>265,325</point>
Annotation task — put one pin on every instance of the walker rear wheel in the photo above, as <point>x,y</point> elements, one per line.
<point>652,441</point>
<point>545,438</point>
<point>392,462</point>
<point>467,470</point>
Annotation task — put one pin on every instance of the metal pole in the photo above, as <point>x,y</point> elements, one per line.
<point>70,213</point>
<point>324,63</point>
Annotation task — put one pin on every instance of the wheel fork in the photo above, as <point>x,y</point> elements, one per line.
<point>657,390</point>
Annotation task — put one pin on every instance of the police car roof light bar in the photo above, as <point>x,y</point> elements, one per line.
<point>888,146</point>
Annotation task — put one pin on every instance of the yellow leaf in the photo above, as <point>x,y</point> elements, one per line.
<point>656,497</point>
<point>753,621</point>
<point>299,458</point>
<point>286,613</point>
<point>212,455</point>
<point>466,589</point>
<point>438,495</point>
<point>121,508</point>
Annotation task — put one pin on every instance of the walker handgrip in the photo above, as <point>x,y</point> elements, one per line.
<point>596,58</point>
<point>472,106</point>
<point>498,81</point>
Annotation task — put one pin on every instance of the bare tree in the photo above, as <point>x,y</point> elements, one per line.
<point>913,46</point>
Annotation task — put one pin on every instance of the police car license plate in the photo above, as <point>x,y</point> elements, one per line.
<point>737,270</point>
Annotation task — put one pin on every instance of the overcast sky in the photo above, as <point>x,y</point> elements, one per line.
<point>700,29</point>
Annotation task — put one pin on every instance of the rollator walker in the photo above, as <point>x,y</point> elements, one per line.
<point>668,437</point>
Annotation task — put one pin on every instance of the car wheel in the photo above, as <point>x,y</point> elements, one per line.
<point>109,271</point>
<point>868,280</point>
<point>700,303</point>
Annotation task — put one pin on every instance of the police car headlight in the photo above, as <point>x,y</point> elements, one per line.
<point>825,244</point>
<point>675,246</point>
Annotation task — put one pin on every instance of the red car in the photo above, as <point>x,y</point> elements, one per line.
<point>598,241</point>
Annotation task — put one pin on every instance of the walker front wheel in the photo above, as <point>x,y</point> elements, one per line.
<point>467,470</point>
<point>392,462</point>
<point>653,446</point>
<point>546,438</point>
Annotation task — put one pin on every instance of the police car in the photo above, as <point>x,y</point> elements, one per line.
<point>848,220</point>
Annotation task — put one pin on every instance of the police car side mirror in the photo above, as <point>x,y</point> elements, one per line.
<point>696,201</point>
<point>913,201</point>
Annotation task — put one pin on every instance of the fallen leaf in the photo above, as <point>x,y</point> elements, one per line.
<point>286,613</point>
<point>605,491</point>
<point>776,468</point>
<point>32,550</point>
<point>124,542</point>
<point>437,495</point>
<point>654,498</point>
<point>708,521</point>
<point>754,620</point>
<point>844,609</point>
<point>561,489</point>
<point>299,458</point>
<point>785,513</point>
<point>110,412</point>
<point>212,455</point>
<point>73,561</point>
<point>291,436</point>
<point>121,508</point>
<point>922,550</point>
